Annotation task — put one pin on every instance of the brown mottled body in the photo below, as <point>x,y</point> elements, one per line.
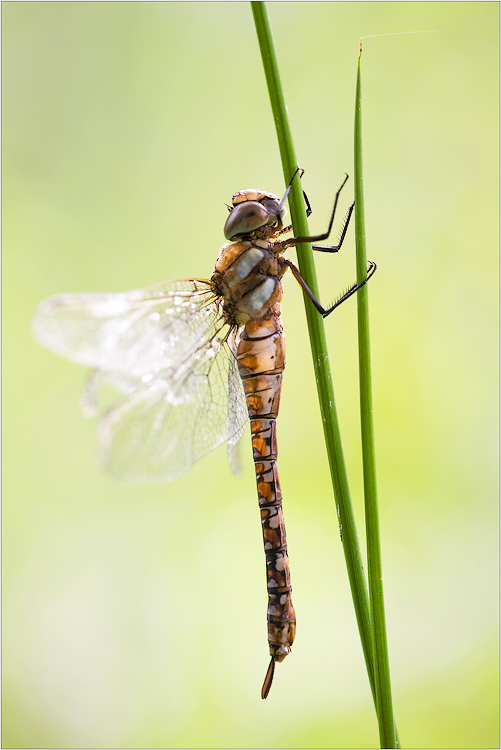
<point>248,276</point>
<point>174,349</point>
<point>262,388</point>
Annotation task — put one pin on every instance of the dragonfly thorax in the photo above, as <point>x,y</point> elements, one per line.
<point>247,277</point>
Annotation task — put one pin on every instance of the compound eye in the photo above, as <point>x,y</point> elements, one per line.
<point>275,208</point>
<point>245,218</point>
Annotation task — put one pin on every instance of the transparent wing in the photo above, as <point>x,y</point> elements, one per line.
<point>160,429</point>
<point>235,384</point>
<point>166,346</point>
<point>130,334</point>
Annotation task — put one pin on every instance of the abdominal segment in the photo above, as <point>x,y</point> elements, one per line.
<point>261,360</point>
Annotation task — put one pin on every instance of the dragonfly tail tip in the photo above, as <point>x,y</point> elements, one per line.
<point>268,679</point>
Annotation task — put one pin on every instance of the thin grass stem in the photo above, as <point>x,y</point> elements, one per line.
<point>318,344</point>
<point>387,730</point>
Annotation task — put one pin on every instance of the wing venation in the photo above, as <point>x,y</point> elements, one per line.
<point>167,348</point>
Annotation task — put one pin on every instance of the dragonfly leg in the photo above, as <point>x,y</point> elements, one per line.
<point>344,229</point>
<point>321,248</point>
<point>306,289</point>
<point>284,244</point>
<point>308,207</point>
<point>298,169</point>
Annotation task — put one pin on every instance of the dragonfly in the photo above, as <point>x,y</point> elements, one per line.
<point>196,360</point>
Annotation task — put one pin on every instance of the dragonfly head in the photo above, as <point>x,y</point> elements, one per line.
<point>253,209</point>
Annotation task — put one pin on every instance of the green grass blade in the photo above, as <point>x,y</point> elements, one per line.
<point>387,731</point>
<point>318,343</point>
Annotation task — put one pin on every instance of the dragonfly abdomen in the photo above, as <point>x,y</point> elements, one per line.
<point>261,361</point>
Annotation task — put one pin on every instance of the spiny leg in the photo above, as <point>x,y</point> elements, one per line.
<point>351,290</point>
<point>284,244</point>
<point>308,207</point>
<point>287,191</point>
<point>309,211</point>
<point>342,235</point>
<point>281,246</point>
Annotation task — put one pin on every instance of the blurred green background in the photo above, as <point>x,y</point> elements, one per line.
<point>134,616</point>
